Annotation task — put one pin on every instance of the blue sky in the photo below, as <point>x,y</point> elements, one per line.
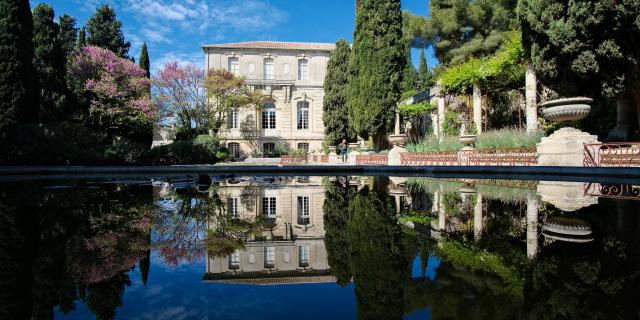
<point>176,29</point>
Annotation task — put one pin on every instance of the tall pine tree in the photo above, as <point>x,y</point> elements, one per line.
<point>144,63</point>
<point>105,31</point>
<point>49,61</point>
<point>375,68</point>
<point>82,38</point>
<point>18,84</point>
<point>335,113</point>
<point>68,34</point>
<point>424,75</point>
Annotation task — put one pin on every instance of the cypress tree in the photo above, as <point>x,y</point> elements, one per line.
<point>68,34</point>
<point>424,76</point>
<point>105,31</point>
<point>409,75</point>
<point>82,38</point>
<point>375,68</point>
<point>18,85</point>
<point>145,64</point>
<point>335,113</point>
<point>49,63</point>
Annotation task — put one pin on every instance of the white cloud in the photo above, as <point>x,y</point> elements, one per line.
<point>195,58</point>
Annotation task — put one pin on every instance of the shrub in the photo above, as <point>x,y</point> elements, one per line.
<point>508,138</point>
<point>451,124</point>
<point>203,149</point>
<point>432,144</point>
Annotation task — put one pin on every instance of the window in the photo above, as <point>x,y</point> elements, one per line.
<point>303,210</point>
<point>234,260</point>
<point>234,119</point>
<point>269,257</point>
<point>268,148</point>
<point>269,207</point>
<point>303,146</point>
<point>303,69</point>
<point>234,149</point>
<point>268,69</point>
<point>234,66</point>
<point>303,255</point>
<point>234,207</point>
<point>303,115</point>
<point>269,116</point>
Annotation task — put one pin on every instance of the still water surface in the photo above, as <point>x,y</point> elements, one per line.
<point>319,248</point>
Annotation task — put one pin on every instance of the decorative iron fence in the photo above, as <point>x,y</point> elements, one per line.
<point>615,191</point>
<point>291,159</point>
<point>375,159</point>
<point>618,154</point>
<point>486,157</point>
<point>319,158</point>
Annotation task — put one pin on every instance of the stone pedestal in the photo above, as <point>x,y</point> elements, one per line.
<point>565,147</point>
<point>566,196</point>
<point>395,155</point>
<point>532,226</point>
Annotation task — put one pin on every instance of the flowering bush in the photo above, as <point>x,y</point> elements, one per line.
<point>116,87</point>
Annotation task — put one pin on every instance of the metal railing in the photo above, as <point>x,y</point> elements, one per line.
<point>617,154</point>
<point>293,159</point>
<point>614,191</point>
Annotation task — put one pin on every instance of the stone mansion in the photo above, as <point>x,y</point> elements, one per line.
<point>291,74</point>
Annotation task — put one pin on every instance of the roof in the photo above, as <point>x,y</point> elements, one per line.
<point>273,45</point>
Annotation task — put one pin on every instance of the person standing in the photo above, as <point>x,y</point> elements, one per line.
<point>343,149</point>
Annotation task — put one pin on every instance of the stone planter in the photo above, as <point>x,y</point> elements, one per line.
<point>354,146</point>
<point>567,229</point>
<point>565,146</point>
<point>468,140</point>
<point>567,109</point>
<point>398,139</point>
<point>332,150</point>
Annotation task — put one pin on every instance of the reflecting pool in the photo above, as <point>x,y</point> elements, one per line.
<point>319,248</point>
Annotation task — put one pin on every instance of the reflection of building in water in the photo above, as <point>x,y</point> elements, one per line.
<point>291,248</point>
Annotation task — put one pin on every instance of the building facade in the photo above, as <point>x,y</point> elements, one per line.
<point>291,75</point>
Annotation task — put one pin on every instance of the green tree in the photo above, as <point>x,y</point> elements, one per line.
<point>409,75</point>
<point>18,81</point>
<point>585,47</point>
<point>68,34</point>
<point>424,75</point>
<point>459,29</point>
<point>144,63</point>
<point>49,61</point>
<point>82,38</point>
<point>375,68</point>
<point>336,218</point>
<point>335,114</point>
<point>105,31</point>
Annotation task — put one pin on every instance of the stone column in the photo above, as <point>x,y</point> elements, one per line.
<point>477,218</point>
<point>531,98</point>
<point>626,119</point>
<point>532,226</point>
<point>477,107</point>
<point>442,215</point>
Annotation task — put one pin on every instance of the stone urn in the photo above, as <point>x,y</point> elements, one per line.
<point>332,150</point>
<point>566,109</point>
<point>565,146</point>
<point>468,140</point>
<point>398,139</point>
<point>354,146</point>
<point>567,229</point>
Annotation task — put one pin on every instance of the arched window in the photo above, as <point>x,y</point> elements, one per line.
<point>303,69</point>
<point>234,149</point>
<point>269,116</point>
<point>268,71</point>
<point>303,115</point>
<point>234,65</point>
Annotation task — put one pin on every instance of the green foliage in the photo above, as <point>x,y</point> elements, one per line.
<point>336,217</point>
<point>376,67</point>
<point>335,114</point>
<point>409,75</point>
<point>476,259</point>
<point>68,34</point>
<point>49,61</point>
<point>408,94</point>
<point>584,47</point>
<point>82,38</point>
<point>451,124</point>
<point>508,138</point>
<point>416,109</point>
<point>105,31</point>
<point>18,80</point>
<point>503,69</point>
<point>143,61</point>
<point>201,150</point>
<point>416,217</point>
<point>433,144</point>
